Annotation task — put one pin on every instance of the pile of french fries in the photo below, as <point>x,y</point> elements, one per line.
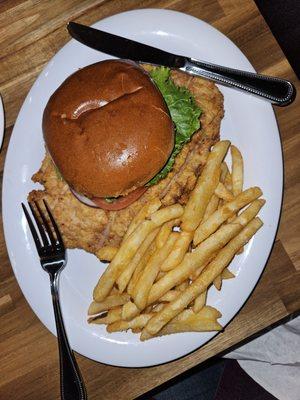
<point>157,280</point>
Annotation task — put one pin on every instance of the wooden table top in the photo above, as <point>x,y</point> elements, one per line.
<point>32,31</point>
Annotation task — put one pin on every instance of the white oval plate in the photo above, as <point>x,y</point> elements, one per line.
<point>248,122</point>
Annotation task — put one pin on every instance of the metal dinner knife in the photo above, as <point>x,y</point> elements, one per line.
<point>278,91</point>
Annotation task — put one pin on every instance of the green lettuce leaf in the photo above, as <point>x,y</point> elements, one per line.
<point>184,112</point>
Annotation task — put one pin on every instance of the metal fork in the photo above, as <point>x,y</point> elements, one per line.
<point>51,250</point>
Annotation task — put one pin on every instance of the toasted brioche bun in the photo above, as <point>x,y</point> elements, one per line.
<point>108,129</point>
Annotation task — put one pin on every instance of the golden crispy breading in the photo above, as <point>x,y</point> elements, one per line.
<point>91,228</point>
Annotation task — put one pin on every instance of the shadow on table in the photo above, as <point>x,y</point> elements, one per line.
<point>218,379</point>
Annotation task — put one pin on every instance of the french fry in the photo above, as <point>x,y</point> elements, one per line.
<point>203,252</point>
<point>166,214</point>
<point>220,205</point>
<point>237,170</point>
<point>228,182</point>
<point>177,253</point>
<point>226,177</point>
<point>143,286</point>
<point>158,307</point>
<point>160,275</point>
<point>144,213</point>
<point>125,254</point>
<point>200,301</point>
<point>224,172</point>
<point>223,193</point>
<point>170,296</point>
<point>140,267</point>
<point>212,206</point>
<point>129,311</point>
<point>148,309</point>
<point>189,321</point>
<point>226,274</point>
<point>109,317</point>
<point>226,211</point>
<point>249,212</point>
<point>205,187</point>
<point>217,282</point>
<point>215,268</point>
<point>194,275</point>
<point>237,177</point>
<point>109,302</point>
<point>106,253</point>
<point>123,280</point>
<point>198,270</point>
<point>136,323</point>
<point>136,330</point>
<point>183,285</point>
<point>163,234</point>
<point>165,231</point>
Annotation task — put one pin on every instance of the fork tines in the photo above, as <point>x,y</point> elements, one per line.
<point>46,225</point>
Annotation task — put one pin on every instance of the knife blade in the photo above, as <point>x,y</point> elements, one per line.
<point>123,48</point>
<point>278,91</point>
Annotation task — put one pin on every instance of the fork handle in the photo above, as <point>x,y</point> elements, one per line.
<point>71,383</point>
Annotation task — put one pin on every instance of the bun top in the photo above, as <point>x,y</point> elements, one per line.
<point>108,129</point>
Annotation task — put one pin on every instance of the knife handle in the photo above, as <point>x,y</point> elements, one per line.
<point>278,91</point>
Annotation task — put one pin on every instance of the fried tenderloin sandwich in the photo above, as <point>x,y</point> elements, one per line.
<point>109,132</point>
<point>117,136</point>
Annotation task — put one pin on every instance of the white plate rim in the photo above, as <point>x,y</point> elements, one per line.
<point>2,122</point>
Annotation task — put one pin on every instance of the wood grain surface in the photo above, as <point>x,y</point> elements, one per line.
<point>31,33</point>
